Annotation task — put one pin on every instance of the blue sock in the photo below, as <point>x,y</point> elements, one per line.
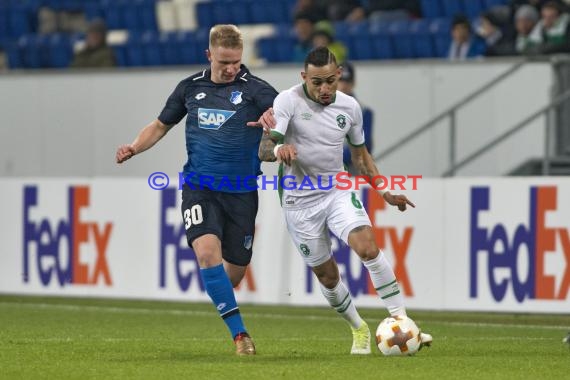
<point>220,290</point>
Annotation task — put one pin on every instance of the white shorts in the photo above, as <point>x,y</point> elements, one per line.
<point>340,211</point>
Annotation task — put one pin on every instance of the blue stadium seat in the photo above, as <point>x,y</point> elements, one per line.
<point>33,51</point>
<point>148,16</point>
<point>342,29</point>
<point>15,59</point>
<point>169,48</point>
<point>113,14</point>
<point>441,32</point>
<point>19,20</point>
<point>381,41</point>
<point>202,40</point>
<point>92,11</point>
<point>285,48</point>
<point>134,51</point>
<point>204,14</point>
<point>270,12</point>
<point>359,44</point>
<point>4,30</point>
<point>265,49</point>
<point>129,16</point>
<point>422,42</point>
<point>276,48</point>
<point>492,3</point>
<point>401,39</point>
<point>186,42</point>
<point>221,13</point>
<point>473,8</point>
<point>60,51</point>
<point>431,8</point>
<point>150,45</point>
<point>452,7</point>
<point>240,11</point>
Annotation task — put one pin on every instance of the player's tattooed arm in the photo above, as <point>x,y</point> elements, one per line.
<point>363,162</point>
<point>266,149</point>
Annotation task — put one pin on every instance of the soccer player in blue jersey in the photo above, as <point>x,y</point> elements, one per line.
<point>219,197</point>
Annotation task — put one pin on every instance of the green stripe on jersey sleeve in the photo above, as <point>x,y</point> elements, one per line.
<point>276,136</point>
<point>354,145</point>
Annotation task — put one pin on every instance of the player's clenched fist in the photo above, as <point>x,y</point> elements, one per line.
<point>124,152</point>
<point>286,153</point>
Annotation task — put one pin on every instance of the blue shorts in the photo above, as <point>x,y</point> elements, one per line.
<point>229,216</point>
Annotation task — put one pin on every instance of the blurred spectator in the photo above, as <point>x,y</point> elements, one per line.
<point>96,52</point>
<point>346,84</point>
<point>304,28</point>
<point>537,4</point>
<point>312,8</point>
<point>498,40</point>
<point>387,10</point>
<point>463,43</point>
<point>324,35</point>
<point>552,33</point>
<point>526,18</point>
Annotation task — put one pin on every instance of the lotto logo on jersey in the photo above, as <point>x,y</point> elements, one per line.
<point>212,118</point>
<point>65,250</point>
<point>518,261</point>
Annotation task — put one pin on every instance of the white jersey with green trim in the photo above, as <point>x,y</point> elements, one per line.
<point>318,134</point>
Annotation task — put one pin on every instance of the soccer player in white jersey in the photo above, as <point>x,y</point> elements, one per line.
<point>312,120</point>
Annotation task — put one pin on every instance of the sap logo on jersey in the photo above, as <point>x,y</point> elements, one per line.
<point>212,118</point>
<point>67,263</point>
<point>527,248</point>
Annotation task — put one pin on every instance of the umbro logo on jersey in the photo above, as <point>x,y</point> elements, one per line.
<point>306,116</point>
<point>212,118</point>
<point>200,96</point>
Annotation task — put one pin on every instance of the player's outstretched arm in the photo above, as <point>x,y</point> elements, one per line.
<point>146,138</point>
<point>365,165</point>
<point>266,121</point>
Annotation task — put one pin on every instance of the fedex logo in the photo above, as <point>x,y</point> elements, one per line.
<point>58,250</point>
<point>388,238</point>
<point>177,261</point>
<point>504,252</point>
<point>212,118</point>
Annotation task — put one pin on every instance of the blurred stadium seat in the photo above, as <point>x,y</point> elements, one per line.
<point>422,41</point>
<point>381,41</point>
<point>169,32</point>
<point>431,8</point>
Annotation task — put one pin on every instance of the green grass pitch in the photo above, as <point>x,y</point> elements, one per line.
<point>61,338</point>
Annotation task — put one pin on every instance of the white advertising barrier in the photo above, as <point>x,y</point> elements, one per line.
<point>470,244</point>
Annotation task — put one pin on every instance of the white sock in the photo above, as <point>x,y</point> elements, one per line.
<point>385,283</point>
<point>340,300</point>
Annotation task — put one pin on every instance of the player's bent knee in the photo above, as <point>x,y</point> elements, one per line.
<point>362,241</point>
<point>208,251</point>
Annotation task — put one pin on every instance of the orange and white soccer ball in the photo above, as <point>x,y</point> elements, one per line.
<point>398,336</point>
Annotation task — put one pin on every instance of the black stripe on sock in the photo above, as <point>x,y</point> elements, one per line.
<point>230,313</point>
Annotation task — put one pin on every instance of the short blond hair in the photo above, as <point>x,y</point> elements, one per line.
<point>227,36</point>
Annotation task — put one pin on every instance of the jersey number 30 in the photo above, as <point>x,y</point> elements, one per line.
<point>193,216</point>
